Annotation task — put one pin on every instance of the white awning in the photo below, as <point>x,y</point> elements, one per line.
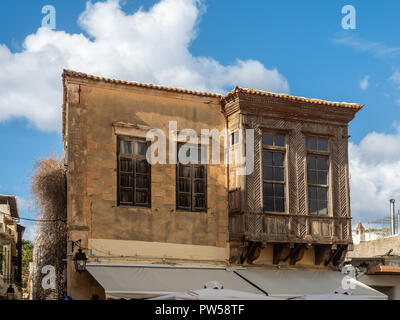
<point>295,283</point>
<point>146,281</point>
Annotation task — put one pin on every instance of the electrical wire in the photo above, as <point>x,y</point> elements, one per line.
<point>35,220</point>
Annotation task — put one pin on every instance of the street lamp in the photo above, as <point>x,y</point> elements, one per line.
<point>10,293</point>
<point>79,258</point>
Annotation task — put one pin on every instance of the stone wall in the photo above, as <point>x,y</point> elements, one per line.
<point>377,247</point>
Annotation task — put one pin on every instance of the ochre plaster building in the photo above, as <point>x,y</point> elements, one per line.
<point>165,220</point>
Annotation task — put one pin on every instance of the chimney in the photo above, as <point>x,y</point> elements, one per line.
<point>398,222</point>
<point>392,217</point>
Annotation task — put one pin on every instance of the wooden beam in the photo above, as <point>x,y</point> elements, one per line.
<point>254,252</point>
<point>322,253</point>
<point>340,255</point>
<point>281,250</point>
<point>297,253</point>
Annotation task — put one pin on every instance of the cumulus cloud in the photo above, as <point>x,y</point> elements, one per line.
<point>364,84</point>
<point>146,46</point>
<point>375,175</point>
<point>395,78</point>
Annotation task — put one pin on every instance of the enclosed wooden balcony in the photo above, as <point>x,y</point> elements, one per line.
<point>284,228</point>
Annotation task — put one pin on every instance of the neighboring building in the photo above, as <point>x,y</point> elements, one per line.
<point>153,229</point>
<point>10,245</point>
<point>361,234</point>
<point>379,272</point>
<point>378,263</point>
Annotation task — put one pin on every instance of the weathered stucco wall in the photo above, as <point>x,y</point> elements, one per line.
<point>91,147</point>
<point>376,247</point>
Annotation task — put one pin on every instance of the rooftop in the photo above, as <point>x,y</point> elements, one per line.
<point>12,202</point>
<point>80,75</point>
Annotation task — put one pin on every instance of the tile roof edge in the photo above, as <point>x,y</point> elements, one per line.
<point>294,98</point>
<point>81,75</point>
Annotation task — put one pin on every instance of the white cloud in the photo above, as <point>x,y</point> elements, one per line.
<point>362,45</point>
<point>375,175</point>
<point>395,78</point>
<point>25,204</point>
<point>364,84</point>
<point>147,46</point>
<point>30,233</point>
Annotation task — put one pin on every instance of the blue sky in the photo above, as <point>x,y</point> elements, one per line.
<point>303,40</point>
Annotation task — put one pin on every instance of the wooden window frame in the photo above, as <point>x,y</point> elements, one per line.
<point>133,173</point>
<point>281,149</point>
<point>322,154</point>
<point>192,180</point>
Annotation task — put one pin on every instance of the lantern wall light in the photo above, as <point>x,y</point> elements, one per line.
<point>79,257</point>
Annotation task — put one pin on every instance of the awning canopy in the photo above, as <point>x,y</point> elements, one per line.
<point>294,283</point>
<point>132,281</point>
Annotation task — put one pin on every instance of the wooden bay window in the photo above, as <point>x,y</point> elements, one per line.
<point>191,183</point>
<point>317,174</point>
<point>273,160</point>
<point>133,173</point>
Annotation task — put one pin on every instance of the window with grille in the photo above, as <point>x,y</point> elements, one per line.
<point>191,183</point>
<point>134,184</point>
<point>273,159</point>
<point>317,175</point>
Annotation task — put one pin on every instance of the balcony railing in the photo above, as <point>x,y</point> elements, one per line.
<point>271,227</point>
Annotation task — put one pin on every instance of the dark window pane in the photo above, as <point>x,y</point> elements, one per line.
<point>279,190</point>
<point>141,148</point>
<point>126,180</point>
<point>141,197</point>
<point>184,185</point>
<point>322,163</point>
<point>199,171</point>
<point>323,207</point>
<point>312,143</point>
<point>322,144</point>
<point>312,176</point>
<point>312,207</point>
<point>268,139</point>
<point>126,165</point>
<point>184,171</point>
<point>126,147</point>
<point>278,174</point>
<point>311,162</point>
<point>268,189</point>
<point>268,204</point>
<point>126,196</point>
<point>267,158</point>
<point>184,200</point>
<point>312,193</point>
<point>142,181</point>
<point>280,140</point>
<point>199,201</point>
<point>199,186</point>
<point>141,166</point>
<point>279,205</point>
<point>268,173</point>
<point>322,177</point>
<point>322,193</point>
<point>278,158</point>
